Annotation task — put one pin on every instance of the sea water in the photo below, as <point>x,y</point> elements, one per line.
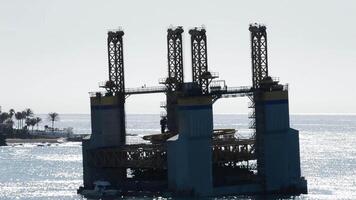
<point>43,171</point>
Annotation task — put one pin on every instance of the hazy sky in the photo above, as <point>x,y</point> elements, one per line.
<point>52,53</point>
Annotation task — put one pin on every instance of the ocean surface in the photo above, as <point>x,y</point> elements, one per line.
<point>327,143</point>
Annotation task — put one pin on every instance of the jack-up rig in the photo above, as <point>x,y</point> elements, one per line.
<point>190,157</point>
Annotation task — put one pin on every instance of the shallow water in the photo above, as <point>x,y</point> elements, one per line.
<point>328,157</point>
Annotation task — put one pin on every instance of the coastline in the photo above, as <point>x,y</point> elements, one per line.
<point>38,140</point>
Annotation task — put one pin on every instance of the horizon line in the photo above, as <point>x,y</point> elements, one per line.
<point>213,114</point>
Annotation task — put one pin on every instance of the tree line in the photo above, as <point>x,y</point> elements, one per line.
<point>24,119</point>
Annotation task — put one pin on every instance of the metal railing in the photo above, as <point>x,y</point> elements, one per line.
<point>146,90</point>
<point>234,95</point>
<point>222,89</point>
<point>275,79</point>
<point>217,84</point>
<point>214,74</point>
<point>285,87</point>
<point>162,80</point>
<point>94,94</point>
<point>138,90</point>
<point>102,83</point>
<point>240,89</point>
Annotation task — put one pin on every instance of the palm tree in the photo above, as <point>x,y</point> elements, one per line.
<point>28,122</point>
<point>18,117</point>
<point>9,123</point>
<point>23,118</point>
<point>38,121</point>
<point>53,117</point>
<point>28,112</point>
<point>31,122</point>
<point>4,116</point>
<point>11,112</point>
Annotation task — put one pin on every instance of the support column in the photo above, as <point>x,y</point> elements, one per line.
<point>259,73</point>
<point>189,154</point>
<point>277,145</point>
<point>107,117</point>
<point>175,78</point>
<point>280,146</point>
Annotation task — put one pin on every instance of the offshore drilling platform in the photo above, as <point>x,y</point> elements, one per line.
<point>190,157</point>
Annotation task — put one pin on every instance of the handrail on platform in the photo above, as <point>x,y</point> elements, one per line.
<point>145,90</point>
